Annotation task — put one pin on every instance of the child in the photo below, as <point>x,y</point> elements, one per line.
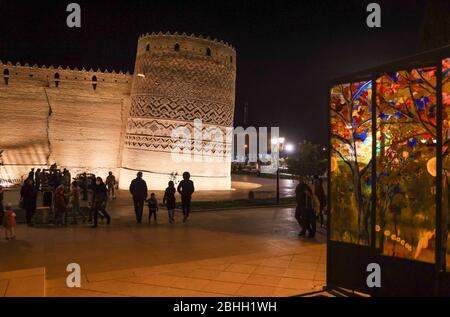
<point>152,207</point>
<point>9,222</point>
<point>169,201</point>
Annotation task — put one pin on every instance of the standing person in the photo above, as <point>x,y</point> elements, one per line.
<point>152,207</point>
<point>186,189</point>
<point>111,184</point>
<point>170,201</point>
<point>38,179</point>
<point>138,188</point>
<point>1,205</point>
<point>31,175</point>
<point>303,196</point>
<point>53,177</point>
<point>99,200</point>
<point>84,186</point>
<point>75,202</point>
<point>66,179</point>
<point>60,205</point>
<point>28,197</point>
<point>10,223</point>
<point>321,197</point>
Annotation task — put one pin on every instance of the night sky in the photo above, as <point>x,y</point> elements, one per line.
<point>287,51</point>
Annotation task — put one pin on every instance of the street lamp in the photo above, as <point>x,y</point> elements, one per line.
<point>279,142</point>
<point>289,147</point>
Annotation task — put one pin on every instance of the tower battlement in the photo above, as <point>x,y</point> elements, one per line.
<point>193,45</point>
<point>26,72</point>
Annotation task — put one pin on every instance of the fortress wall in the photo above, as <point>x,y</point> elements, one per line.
<point>54,115</point>
<point>73,125</point>
<point>178,79</point>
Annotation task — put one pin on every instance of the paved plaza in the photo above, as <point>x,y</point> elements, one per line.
<point>248,252</point>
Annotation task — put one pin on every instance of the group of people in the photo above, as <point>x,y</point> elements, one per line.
<point>45,179</point>
<point>139,191</point>
<point>98,203</point>
<point>310,205</point>
<point>310,202</point>
<point>66,196</point>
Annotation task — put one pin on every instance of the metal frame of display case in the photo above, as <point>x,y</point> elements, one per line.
<point>347,262</point>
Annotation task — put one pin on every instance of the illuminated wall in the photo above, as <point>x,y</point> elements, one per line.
<point>178,79</point>
<point>54,115</point>
<point>105,121</point>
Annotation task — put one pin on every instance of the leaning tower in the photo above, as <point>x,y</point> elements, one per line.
<point>178,79</point>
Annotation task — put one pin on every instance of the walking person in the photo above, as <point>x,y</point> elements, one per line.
<point>111,184</point>
<point>321,197</point>
<point>139,191</point>
<point>170,201</point>
<point>303,196</point>
<point>28,197</point>
<point>99,201</point>
<point>152,207</point>
<point>9,223</point>
<point>186,189</point>
<point>75,202</point>
<point>60,205</point>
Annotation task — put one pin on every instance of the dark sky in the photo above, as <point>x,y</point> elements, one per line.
<point>287,51</point>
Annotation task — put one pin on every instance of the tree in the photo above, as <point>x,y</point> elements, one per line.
<point>309,160</point>
<point>435,30</point>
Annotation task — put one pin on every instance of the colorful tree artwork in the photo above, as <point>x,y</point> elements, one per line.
<point>445,221</point>
<point>406,163</point>
<point>351,146</point>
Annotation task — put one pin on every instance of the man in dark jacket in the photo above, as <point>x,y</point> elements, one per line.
<point>138,188</point>
<point>28,197</point>
<point>186,189</point>
<point>304,210</point>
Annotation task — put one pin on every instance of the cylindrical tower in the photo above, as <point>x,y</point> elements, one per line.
<point>178,79</point>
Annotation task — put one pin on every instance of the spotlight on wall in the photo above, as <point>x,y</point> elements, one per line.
<point>141,75</point>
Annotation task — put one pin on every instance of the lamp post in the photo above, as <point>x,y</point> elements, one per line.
<point>279,142</point>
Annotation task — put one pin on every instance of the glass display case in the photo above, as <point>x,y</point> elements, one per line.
<point>389,176</point>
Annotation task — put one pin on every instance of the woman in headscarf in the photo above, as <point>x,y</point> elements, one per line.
<point>60,205</point>
<point>99,200</point>
<point>170,201</point>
